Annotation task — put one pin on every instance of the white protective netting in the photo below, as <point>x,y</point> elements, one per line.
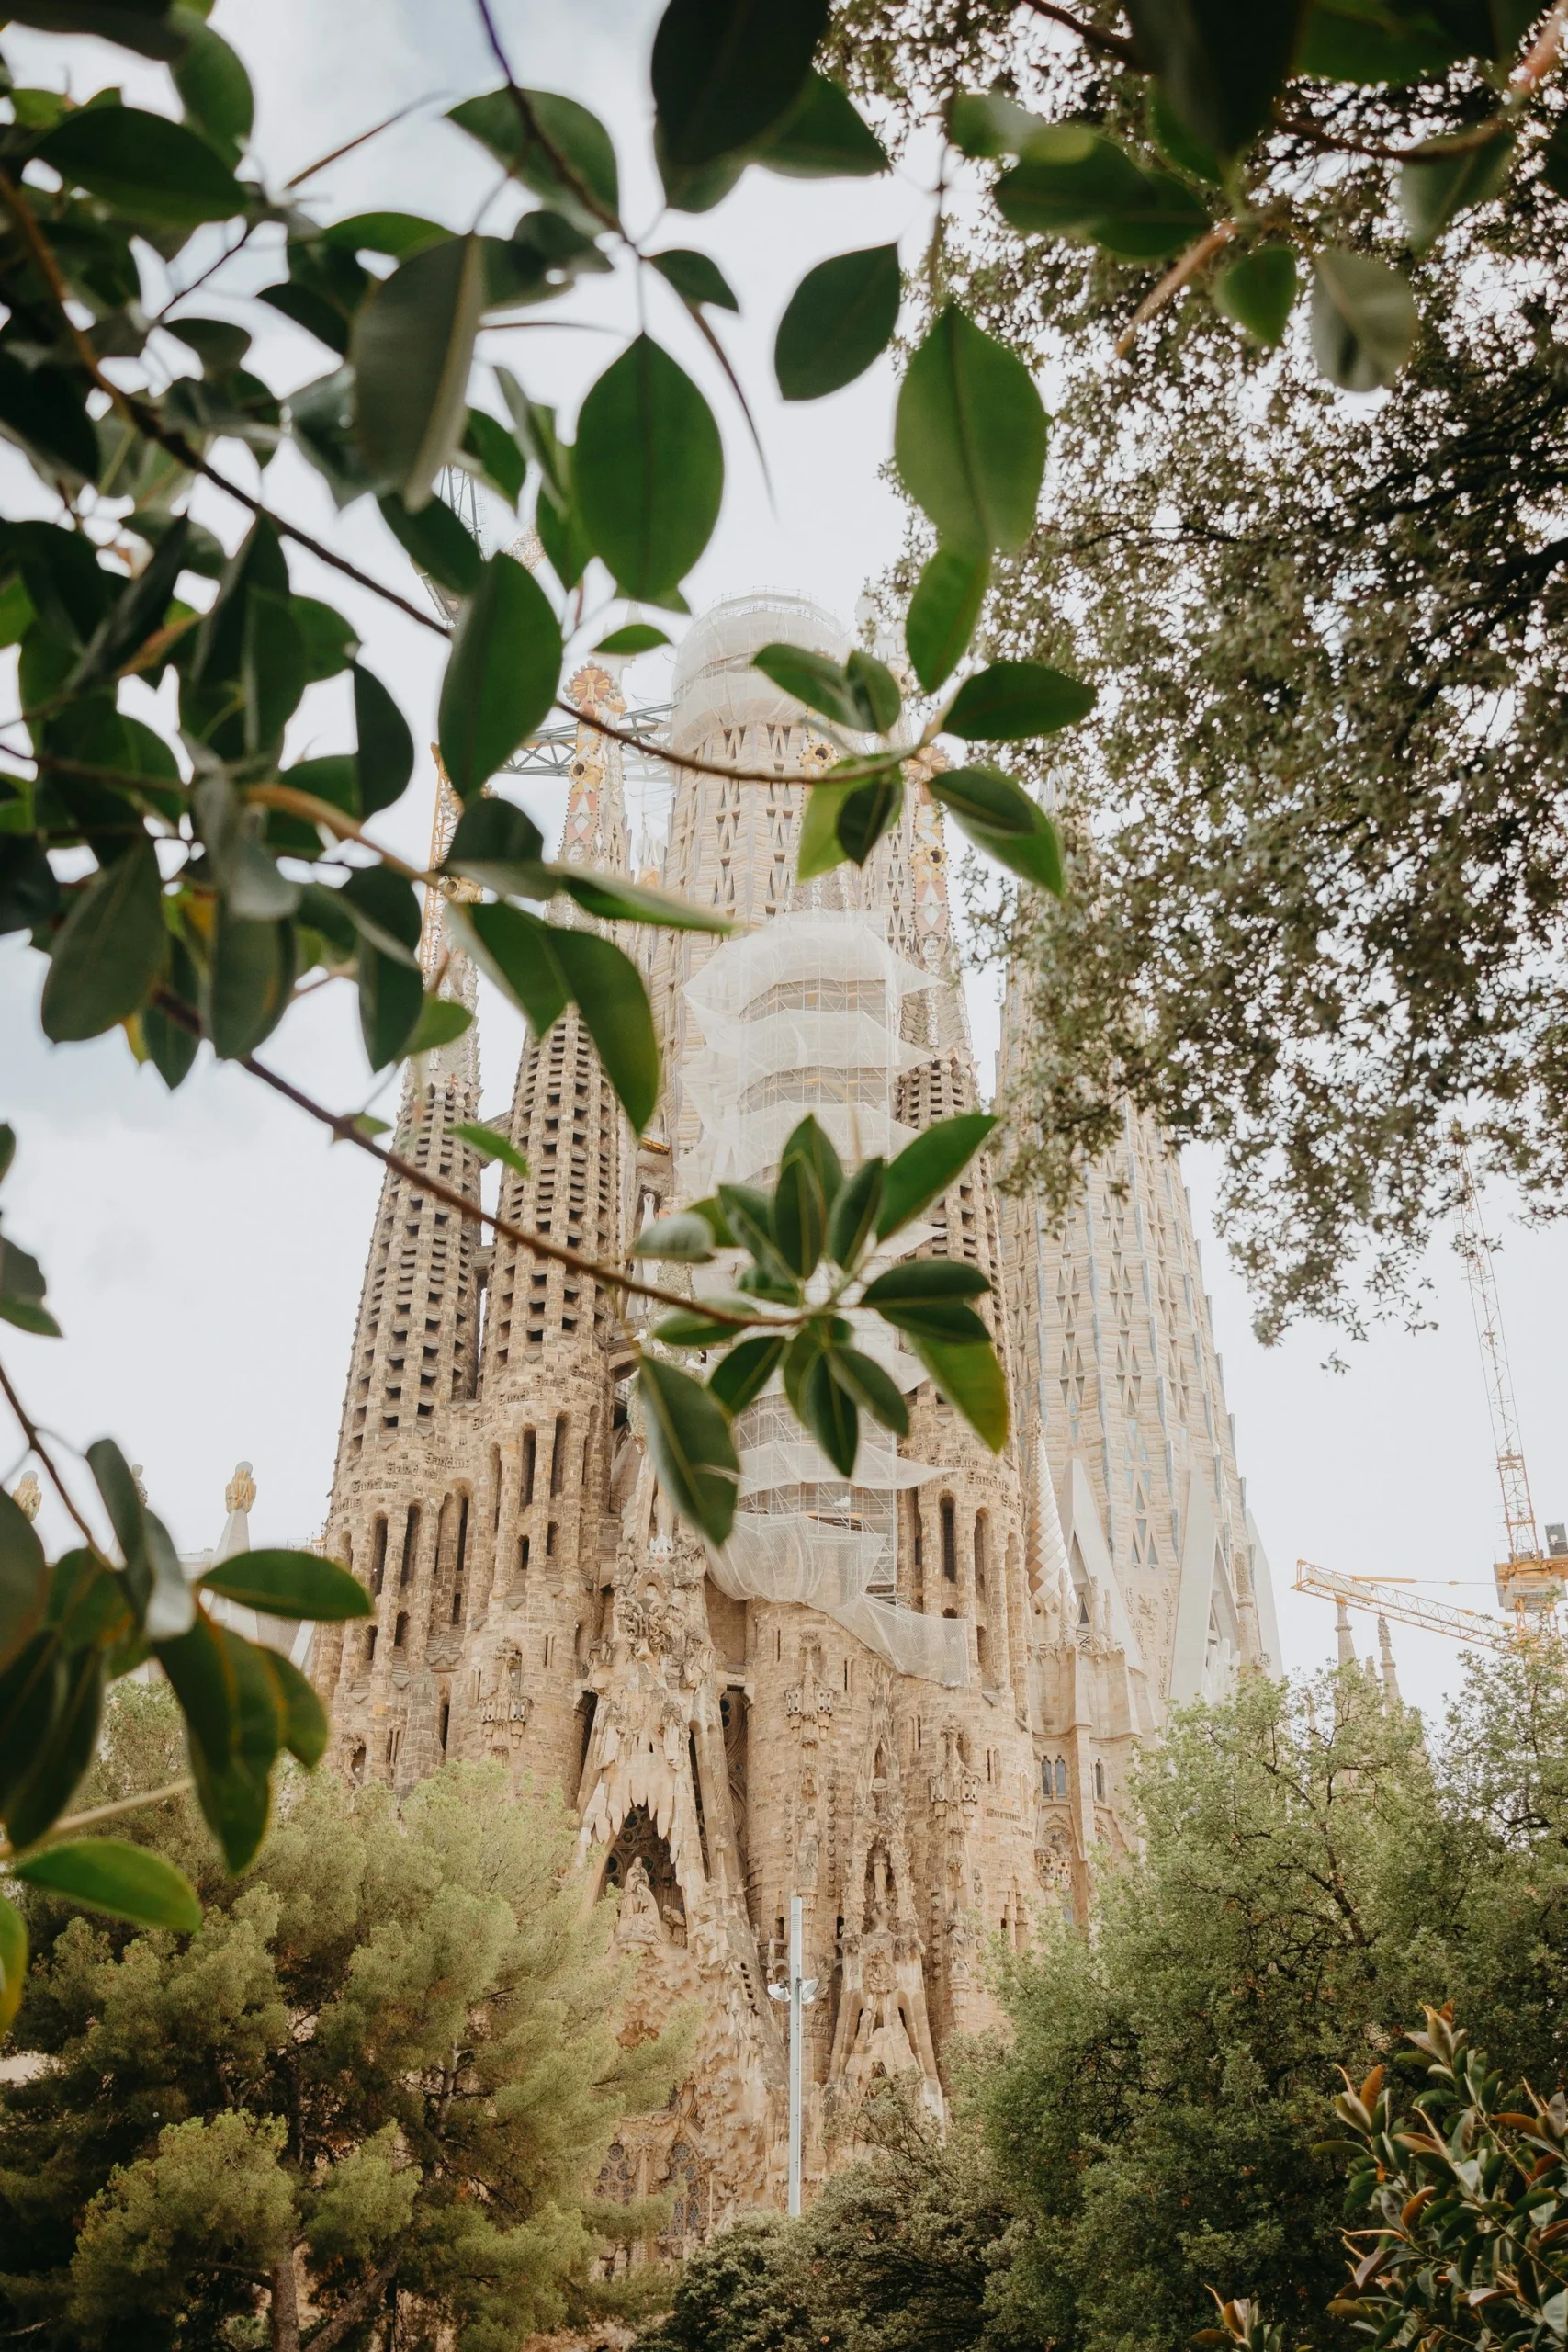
<point>806,1015</point>
<point>716,686</point>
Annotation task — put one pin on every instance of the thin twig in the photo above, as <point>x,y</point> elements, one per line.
<point>342,1126</point>
<point>291,802</point>
<point>117,1806</point>
<point>532,128</point>
<point>1171,284</point>
<point>31,1432</point>
<point>845,773</point>
<point>1112,44</point>
<point>337,153</point>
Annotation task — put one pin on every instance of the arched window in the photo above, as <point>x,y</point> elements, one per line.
<point>981,1649</point>
<point>370,1633</point>
<point>400,1633</point>
<point>411,1542</point>
<point>530,1455</point>
<point>378,1556</point>
<point>1061,1776</point>
<point>1100,1780</point>
<point>357,1764</point>
<point>949,1539</point>
<point>981,1530</point>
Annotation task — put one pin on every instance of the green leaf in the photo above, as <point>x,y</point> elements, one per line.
<point>236,1795</point>
<point>917,1281</point>
<point>814,679</point>
<point>800,1215</point>
<point>24,1580</point>
<point>152,1571</point>
<point>852,1218</point>
<point>686,1240</point>
<point>925,1167</point>
<point>564,153</point>
<point>384,760</point>
<point>491,1143</point>
<point>62,1755</point>
<point>250,975</point>
<point>142,165</point>
<point>869,1385</point>
<point>986,124</point>
<point>1001,819</point>
<point>498,844</point>
<point>971,1379</point>
<point>383,909</point>
<point>839,317</point>
<point>637,637</point>
<point>648,469</point>
<point>1435,186</point>
<point>392,1005</point>
<point>811,1142</point>
<point>215,91</point>
<point>441,1020</point>
<point>822,137</point>
<point>745,1372</point>
<point>693,1453</point>
<point>969,439</point>
<point>696,278</point>
<point>135,612</point>
<point>110,1874</point>
<point>108,955</point>
<point>1363,321</point>
<point>13,1962</point>
<point>412,347</point>
<point>875,689</point>
<point>748,1214</point>
<point>43,411</point>
<point>330,640</point>
<point>437,542</point>
<point>395,235</point>
<point>1177,145</point>
<point>1221,64</point>
<point>563,537</point>
<point>197,1670</point>
<point>1165,216</point>
<point>867,811</point>
<point>1013,699</point>
<point>831,1413</point>
<point>518,952</point>
<point>610,995</point>
<point>140,25</point>
<point>1259,291</point>
<point>726,71</point>
<point>272,672</point>
<point>22,1289</point>
<point>942,613</point>
<point>305,1727</point>
<point>1352,42</point>
<point>689,1327</point>
<point>290,1584</point>
<point>502,676</point>
<point>502,462</point>
<point>1068,183</point>
<point>819,849</point>
<point>613,900</point>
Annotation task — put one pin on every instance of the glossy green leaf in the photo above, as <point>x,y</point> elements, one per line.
<point>441,1021</point>
<point>1436,185</point>
<point>871,1387</point>
<point>1344,40</point>
<point>501,462</point>
<point>63,1753</point>
<point>726,71</point>
<point>971,1378</point>
<point>215,91</point>
<point>564,538</point>
<point>800,1215</point>
<point>384,760</point>
<point>517,951</point>
<point>942,613</point>
<point>686,1240</point>
<point>13,1962</point>
<point>392,1003</point>
<point>384,908</point>
<point>925,1167</point>
<point>272,671</point>
<point>24,1580</point>
<point>822,137</point>
<point>22,1289</point>
<point>330,640</point>
<point>135,612</point>
<point>647,470</point>
<point>1014,699</point>
<point>1259,291</point>
<point>917,1281</point>
<point>1363,321</point>
<point>695,277</point>
<point>1166,218</point>
<point>689,1327</point>
<point>852,1218</point>
<point>745,1372</point>
<point>831,1413</point>
<point>107,955</point>
<point>32,1691</point>
<point>613,900</point>
<point>437,541</point>
<point>290,1584</point>
<point>818,848</point>
<point>236,1795</point>
<point>747,1213</point>
<point>875,689</point>
<point>413,348</point>
<point>144,166</point>
<point>305,1727</point>
<point>1001,819</point>
<point>502,676</point>
<point>1177,143</point>
<point>110,1874</point>
<point>491,1143</point>
<point>811,1141</point>
<point>250,975</point>
<point>608,991</point>
<point>969,438</point>
<point>1220,62</point>
<point>987,123</point>
<point>143,26</point>
<point>868,811</point>
<point>814,679</point>
<point>553,145</point>
<point>693,1453</point>
<point>839,317</point>
<point>637,637</point>
<point>153,1570</point>
<point>43,411</point>
<point>498,844</point>
<point>1069,181</point>
<point>196,1668</point>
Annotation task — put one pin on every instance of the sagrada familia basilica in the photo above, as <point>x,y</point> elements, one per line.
<point>913,1700</point>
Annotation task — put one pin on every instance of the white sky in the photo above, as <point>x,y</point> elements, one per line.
<point>204,1252</point>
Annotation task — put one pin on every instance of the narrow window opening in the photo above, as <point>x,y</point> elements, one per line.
<point>411,1543</point>
<point>557,1456</point>
<point>530,1451</point>
<point>446,1719</point>
<point>400,1633</point>
<point>949,1539</point>
<point>378,1556</point>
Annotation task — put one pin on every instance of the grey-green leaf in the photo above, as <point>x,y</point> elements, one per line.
<point>413,348</point>
<point>501,677</point>
<point>969,438</point>
<point>290,1584</point>
<point>695,277</point>
<point>1015,699</point>
<point>1000,818</point>
<point>608,991</point>
<point>110,1874</point>
<point>971,1378</point>
<point>839,317</point>
<point>109,953</point>
<point>693,1453</point>
<point>1363,321</point>
<point>822,137</point>
<point>649,471</point>
<point>935,1160</point>
<point>942,613</point>
<point>1434,186</point>
<point>726,71</point>
<point>144,166</point>
<point>1259,291</point>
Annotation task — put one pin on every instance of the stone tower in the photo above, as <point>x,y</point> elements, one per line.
<point>909,1699</point>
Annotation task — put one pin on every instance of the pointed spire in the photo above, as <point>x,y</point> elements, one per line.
<point>1390,1674</point>
<point>444,967</point>
<point>239,1495</point>
<point>594,830</point>
<point>1342,1634</point>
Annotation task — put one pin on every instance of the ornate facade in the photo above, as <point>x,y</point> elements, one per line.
<point>911,1701</point>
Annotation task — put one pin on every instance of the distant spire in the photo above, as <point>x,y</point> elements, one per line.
<point>239,1495</point>
<point>1342,1631</point>
<point>28,1494</point>
<point>444,969</point>
<point>1385,1655</point>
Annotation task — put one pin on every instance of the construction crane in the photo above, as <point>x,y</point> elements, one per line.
<point>1530,1582</point>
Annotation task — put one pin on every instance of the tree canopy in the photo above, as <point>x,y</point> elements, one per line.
<point>380,2077</point>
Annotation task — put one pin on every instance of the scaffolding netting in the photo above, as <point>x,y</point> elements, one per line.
<point>806,1015</point>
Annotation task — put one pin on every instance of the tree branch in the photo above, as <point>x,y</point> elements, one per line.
<point>352,2309</point>
<point>30,1431</point>
<point>1110,44</point>
<point>1171,284</point>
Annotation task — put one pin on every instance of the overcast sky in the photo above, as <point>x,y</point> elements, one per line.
<point>205,1253</point>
